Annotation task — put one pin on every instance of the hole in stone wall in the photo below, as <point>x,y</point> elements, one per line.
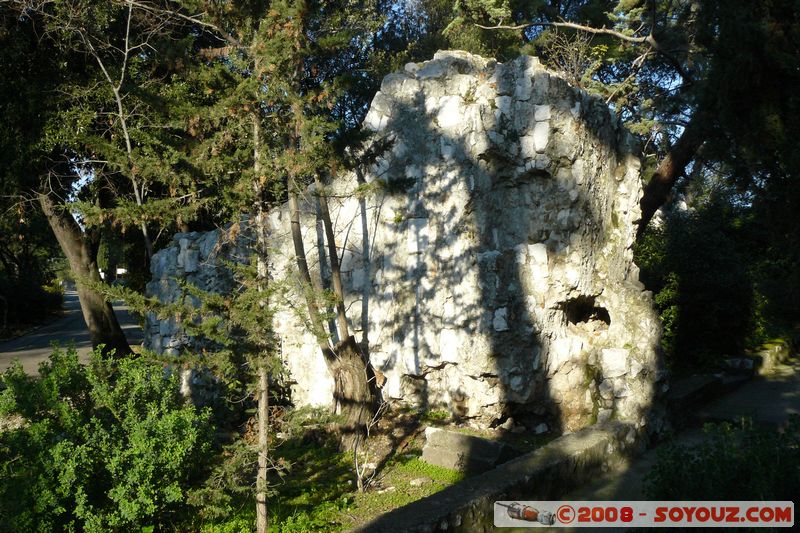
<point>583,309</point>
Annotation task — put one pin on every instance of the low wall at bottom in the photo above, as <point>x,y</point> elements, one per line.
<point>544,474</point>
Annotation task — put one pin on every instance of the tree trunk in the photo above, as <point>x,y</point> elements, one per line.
<point>669,170</point>
<point>354,390</point>
<point>354,379</point>
<point>336,272</point>
<point>314,314</point>
<point>81,253</point>
<point>262,509</point>
<point>365,253</point>
<point>262,518</point>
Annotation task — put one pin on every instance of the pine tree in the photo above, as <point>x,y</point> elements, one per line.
<point>102,146</point>
<point>293,59</point>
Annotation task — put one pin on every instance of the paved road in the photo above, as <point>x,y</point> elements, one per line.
<point>36,346</point>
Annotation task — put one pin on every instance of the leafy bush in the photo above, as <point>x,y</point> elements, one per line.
<point>732,464</point>
<point>108,446</point>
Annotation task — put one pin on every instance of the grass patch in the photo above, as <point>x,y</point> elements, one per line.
<point>395,488</point>
<point>318,487</point>
<point>319,493</point>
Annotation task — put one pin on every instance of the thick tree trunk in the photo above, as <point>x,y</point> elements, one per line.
<point>669,170</point>
<point>81,254</point>
<point>354,390</point>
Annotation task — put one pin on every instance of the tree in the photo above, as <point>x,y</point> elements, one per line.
<point>293,57</point>
<point>29,171</point>
<point>272,76</point>
<point>672,70</point>
<point>101,142</point>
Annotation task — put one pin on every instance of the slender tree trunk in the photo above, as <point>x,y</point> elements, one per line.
<point>262,515</point>
<point>355,391</point>
<point>669,170</point>
<point>314,314</point>
<point>353,377</point>
<point>116,86</point>
<point>336,272</point>
<point>262,518</point>
<point>365,253</point>
<point>81,254</point>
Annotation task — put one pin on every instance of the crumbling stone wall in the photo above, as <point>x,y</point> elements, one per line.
<point>198,259</point>
<point>487,253</point>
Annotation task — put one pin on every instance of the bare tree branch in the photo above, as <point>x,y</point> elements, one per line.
<point>572,25</point>
<point>649,39</point>
<point>194,19</point>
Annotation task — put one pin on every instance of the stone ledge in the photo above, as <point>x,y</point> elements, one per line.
<point>459,451</point>
<point>544,474</point>
<point>771,355</point>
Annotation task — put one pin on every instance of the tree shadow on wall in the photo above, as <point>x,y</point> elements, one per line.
<point>469,252</point>
<point>468,240</point>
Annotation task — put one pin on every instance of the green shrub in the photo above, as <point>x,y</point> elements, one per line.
<point>108,446</point>
<point>731,464</point>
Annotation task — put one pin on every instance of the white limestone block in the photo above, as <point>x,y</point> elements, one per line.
<point>417,235</point>
<point>541,134</point>
<point>541,112</point>
<point>449,114</point>
<point>538,253</point>
<point>527,145</point>
<point>503,104</point>
<point>614,362</point>
<point>500,320</point>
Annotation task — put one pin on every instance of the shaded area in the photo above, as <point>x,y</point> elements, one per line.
<point>769,401</point>
<point>720,287</point>
<point>544,474</point>
<point>35,347</point>
<point>516,221</point>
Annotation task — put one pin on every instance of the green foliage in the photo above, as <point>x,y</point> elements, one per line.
<point>463,32</point>
<point>436,415</point>
<point>697,265</point>
<point>308,493</point>
<point>108,446</point>
<point>417,467</point>
<point>732,463</point>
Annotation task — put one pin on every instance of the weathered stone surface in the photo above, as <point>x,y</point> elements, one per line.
<point>489,268</point>
<point>614,362</point>
<point>459,451</point>
<point>196,258</point>
<point>487,231</point>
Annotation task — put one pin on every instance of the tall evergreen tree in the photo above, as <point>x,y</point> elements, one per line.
<point>104,146</point>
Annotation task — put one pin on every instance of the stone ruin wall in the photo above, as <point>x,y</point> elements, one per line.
<point>198,259</point>
<point>486,254</point>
